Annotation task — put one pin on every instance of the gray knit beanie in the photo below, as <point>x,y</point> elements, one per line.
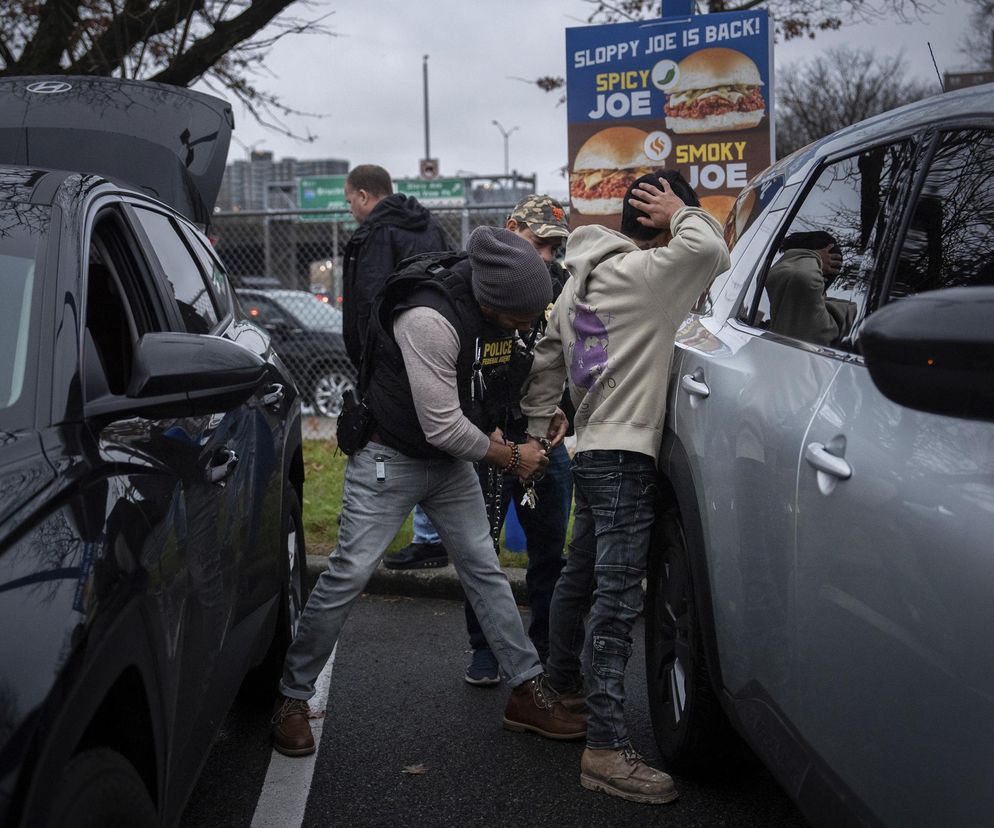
<point>508,275</point>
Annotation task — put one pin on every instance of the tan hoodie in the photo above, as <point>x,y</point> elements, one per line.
<point>611,332</point>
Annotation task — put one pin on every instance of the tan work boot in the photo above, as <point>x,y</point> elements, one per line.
<point>291,727</point>
<point>530,708</point>
<point>622,772</point>
<point>575,701</point>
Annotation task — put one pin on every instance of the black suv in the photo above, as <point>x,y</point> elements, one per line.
<point>307,334</point>
<point>151,549</point>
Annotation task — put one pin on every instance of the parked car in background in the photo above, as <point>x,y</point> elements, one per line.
<point>823,566</point>
<point>151,545</point>
<point>307,334</point>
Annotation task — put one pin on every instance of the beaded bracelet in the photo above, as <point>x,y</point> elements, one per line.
<point>515,460</point>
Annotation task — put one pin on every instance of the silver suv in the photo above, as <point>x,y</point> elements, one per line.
<point>823,578</point>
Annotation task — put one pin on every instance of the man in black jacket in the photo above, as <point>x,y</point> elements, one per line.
<point>392,226</point>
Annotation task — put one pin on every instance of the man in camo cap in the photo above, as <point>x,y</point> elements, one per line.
<point>542,222</point>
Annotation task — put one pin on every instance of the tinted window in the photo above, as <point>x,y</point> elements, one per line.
<point>217,279</point>
<point>262,311</point>
<point>818,284</point>
<point>23,229</point>
<point>950,240</point>
<point>195,302</point>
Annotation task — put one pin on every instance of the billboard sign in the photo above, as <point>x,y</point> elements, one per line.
<point>436,192</point>
<point>693,94</point>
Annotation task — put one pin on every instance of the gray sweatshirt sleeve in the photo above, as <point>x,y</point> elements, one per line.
<point>430,347</point>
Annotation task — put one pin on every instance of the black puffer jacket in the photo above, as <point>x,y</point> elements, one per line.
<point>397,227</point>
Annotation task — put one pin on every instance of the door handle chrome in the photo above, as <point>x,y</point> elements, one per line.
<point>274,395</point>
<point>694,384</point>
<point>818,456</point>
<point>222,464</point>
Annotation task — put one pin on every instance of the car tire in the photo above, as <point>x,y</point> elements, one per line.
<point>329,391</point>
<point>99,787</point>
<point>261,684</point>
<point>691,730</point>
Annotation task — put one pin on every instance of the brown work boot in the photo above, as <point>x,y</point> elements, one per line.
<point>573,700</point>
<point>622,772</point>
<point>530,708</point>
<point>291,729</point>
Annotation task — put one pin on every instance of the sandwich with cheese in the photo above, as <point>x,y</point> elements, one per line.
<point>607,163</point>
<point>718,90</point>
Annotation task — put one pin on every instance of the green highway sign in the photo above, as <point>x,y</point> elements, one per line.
<point>434,192</point>
<point>321,192</point>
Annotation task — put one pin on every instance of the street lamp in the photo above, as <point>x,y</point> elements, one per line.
<point>507,134</point>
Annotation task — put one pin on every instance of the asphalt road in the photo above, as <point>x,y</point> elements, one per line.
<point>397,699</point>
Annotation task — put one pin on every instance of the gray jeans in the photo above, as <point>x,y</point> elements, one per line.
<point>381,487</point>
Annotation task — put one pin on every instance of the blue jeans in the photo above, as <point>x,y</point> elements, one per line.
<point>424,531</point>
<point>615,493</point>
<point>545,536</point>
<point>381,487</point>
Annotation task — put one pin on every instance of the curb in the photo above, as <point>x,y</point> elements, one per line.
<point>437,582</point>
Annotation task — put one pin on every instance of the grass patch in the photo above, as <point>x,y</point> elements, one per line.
<point>324,473</point>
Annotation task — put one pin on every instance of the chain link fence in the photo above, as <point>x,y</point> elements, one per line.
<point>286,267</point>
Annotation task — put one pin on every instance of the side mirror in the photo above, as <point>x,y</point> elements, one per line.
<point>934,351</point>
<point>182,375</point>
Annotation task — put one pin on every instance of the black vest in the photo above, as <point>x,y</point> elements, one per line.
<point>450,292</point>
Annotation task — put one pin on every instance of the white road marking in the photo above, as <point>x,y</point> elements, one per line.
<point>283,798</point>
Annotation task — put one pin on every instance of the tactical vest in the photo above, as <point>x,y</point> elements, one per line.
<point>444,285</point>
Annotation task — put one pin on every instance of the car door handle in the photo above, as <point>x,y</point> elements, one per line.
<point>818,456</point>
<point>694,384</point>
<point>222,464</point>
<point>274,395</point>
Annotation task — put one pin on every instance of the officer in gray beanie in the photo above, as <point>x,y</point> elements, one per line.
<point>427,377</point>
<point>508,275</point>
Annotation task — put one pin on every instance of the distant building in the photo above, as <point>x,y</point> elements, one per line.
<point>960,80</point>
<point>248,185</point>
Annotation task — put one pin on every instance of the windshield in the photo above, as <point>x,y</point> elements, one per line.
<point>312,312</point>
<point>22,228</point>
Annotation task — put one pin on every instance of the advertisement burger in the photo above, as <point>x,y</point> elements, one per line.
<point>607,163</point>
<point>717,90</point>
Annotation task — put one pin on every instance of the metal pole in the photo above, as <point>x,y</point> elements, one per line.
<point>424,66</point>
<point>507,135</point>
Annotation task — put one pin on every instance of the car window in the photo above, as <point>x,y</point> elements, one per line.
<point>20,243</point>
<point>262,311</point>
<point>817,284</point>
<point>950,237</point>
<point>119,307</point>
<point>217,278</point>
<point>196,303</point>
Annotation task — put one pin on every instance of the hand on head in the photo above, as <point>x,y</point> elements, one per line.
<point>831,260</point>
<point>658,203</point>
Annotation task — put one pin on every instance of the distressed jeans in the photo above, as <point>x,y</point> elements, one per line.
<point>614,494</point>
<point>381,487</point>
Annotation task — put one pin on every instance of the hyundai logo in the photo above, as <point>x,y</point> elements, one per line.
<point>49,87</point>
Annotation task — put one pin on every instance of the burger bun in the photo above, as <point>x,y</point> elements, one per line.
<point>718,206</point>
<point>726,122</point>
<point>614,148</point>
<point>708,68</point>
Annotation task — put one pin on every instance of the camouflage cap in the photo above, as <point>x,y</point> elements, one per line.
<point>543,215</point>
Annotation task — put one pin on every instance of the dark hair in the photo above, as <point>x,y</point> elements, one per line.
<point>372,178</point>
<point>630,225</point>
<point>811,240</point>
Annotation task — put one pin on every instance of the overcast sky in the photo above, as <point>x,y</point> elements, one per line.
<point>367,80</point>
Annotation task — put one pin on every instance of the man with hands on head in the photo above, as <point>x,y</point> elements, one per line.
<point>796,285</point>
<point>611,336</point>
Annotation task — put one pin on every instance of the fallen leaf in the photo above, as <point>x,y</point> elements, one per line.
<point>414,770</point>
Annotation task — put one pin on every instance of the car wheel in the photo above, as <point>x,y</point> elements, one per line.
<point>99,787</point>
<point>329,391</point>
<point>691,729</point>
<point>261,683</point>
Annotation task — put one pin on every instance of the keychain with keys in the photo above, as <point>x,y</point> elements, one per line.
<point>531,497</point>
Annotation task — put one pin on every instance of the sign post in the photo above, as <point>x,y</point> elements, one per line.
<point>691,93</point>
